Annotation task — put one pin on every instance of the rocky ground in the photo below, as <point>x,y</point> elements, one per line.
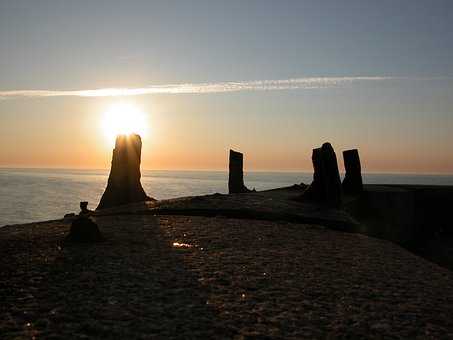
<point>215,277</point>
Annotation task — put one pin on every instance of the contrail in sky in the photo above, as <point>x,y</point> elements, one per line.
<point>201,88</point>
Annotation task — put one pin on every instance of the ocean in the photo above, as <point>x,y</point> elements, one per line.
<point>30,195</point>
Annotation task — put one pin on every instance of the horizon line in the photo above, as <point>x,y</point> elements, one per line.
<point>302,171</point>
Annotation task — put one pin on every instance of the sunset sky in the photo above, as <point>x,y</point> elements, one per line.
<point>272,79</point>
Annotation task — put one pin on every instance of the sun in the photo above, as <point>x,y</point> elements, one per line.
<point>123,119</point>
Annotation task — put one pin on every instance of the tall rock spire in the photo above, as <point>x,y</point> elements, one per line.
<point>352,183</point>
<point>326,185</point>
<point>124,185</point>
<point>236,174</point>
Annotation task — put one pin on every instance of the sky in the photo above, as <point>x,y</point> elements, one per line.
<point>272,79</point>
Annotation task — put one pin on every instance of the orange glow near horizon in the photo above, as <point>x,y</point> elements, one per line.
<point>196,132</point>
<point>123,119</point>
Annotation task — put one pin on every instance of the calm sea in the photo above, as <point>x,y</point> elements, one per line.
<point>28,195</point>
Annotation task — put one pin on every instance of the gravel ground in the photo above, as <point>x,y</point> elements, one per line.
<point>199,277</point>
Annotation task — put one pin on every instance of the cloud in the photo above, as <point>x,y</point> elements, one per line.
<point>199,88</point>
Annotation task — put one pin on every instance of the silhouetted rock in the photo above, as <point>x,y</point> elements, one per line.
<point>326,185</point>
<point>83,229</point>
<point>352,182</point>
<point>236,174</point>
<point>334,191</point>
<point>84,207</point>
<point>315,192</point>
<point>124,185</point>
<point>69,217</point>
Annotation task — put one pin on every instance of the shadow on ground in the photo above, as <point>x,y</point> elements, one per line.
<point>132,285</point>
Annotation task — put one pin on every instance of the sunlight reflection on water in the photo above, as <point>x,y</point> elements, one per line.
<point>29,195</point>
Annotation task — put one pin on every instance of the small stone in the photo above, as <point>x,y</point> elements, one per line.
<point>69,216</point>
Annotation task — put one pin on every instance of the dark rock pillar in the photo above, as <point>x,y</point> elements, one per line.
<point>315,191</point>
<point>326,185</point>
<point>333,180</point>
<point>236,175</point>
<point>124,185</point>
<point>352,183</point>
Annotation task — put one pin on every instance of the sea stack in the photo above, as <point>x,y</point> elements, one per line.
<point>236,175</point>
<point>352,182</point>
<point>326,186</point>
<point>124,185</point>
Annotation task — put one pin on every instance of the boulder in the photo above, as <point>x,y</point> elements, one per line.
<point>69,217</point>
<point>352,182</point>
<point>124,185</point>
<point>236,174</point>
<point>326,186</point>
<point>83,229</point>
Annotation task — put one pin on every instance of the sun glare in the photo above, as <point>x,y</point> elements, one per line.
<point>123,119</point>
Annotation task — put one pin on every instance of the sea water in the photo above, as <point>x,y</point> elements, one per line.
<point>29,195</point>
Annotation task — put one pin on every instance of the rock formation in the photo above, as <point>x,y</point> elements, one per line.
<point>236,174</point>
<point>83,229</point>
<point>84,208</point>
<point>352,182</point>
<point>315,191</point>
<point>326,185</point>
<point>124,185</point>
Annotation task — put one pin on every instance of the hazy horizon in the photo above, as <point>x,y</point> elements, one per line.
<point>225,170</point>
<point>272,80</point>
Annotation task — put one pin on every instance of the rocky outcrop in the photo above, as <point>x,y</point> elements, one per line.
<point>326,186</point>
<point>236,174</point>
<point>124,185</point>
<point>352,183</point>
